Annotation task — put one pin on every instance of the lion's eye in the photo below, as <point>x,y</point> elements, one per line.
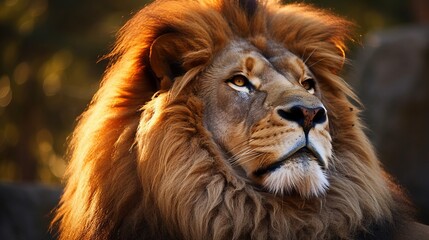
<point>309,85</point>
<point>240,83</point>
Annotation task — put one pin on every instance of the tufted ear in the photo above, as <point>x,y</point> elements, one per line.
<point>166,58</point>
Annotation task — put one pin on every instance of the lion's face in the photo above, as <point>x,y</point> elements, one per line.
<point>263,109</point>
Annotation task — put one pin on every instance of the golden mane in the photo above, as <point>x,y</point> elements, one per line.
<point>145,167</point>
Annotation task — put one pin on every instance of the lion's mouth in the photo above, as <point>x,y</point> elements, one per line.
<point>303,155</point>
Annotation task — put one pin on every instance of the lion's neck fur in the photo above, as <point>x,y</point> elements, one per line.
<point>198,194</point>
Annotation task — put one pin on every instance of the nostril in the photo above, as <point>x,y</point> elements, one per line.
<point>294,114</point>
<point>320,116</point>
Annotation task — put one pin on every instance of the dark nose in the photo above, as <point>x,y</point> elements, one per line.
<point>306,117</point>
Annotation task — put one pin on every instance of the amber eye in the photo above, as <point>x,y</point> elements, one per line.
<point>309,85</point>
<point>240,83</point>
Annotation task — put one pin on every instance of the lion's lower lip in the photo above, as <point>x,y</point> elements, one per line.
<point>274,166</point>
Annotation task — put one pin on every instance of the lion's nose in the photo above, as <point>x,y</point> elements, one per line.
<point>306,117</point>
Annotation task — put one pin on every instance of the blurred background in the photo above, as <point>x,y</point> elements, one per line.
<point>50,67</point>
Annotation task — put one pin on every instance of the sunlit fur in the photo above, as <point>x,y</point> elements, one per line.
<point>143,167</point>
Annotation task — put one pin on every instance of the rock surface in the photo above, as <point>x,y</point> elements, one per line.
<point>26,210</point>
<point>392,80</point>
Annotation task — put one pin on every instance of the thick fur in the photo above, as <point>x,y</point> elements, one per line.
<point>144,166</point>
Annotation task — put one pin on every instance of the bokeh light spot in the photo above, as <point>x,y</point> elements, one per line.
<point>5,91</point>
<point>51,84</point>
<point>21,73</point>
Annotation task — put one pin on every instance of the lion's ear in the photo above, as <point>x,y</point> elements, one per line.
<point>166,58</point>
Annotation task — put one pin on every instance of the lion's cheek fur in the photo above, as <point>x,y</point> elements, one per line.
<point>169,165</point>
<point>196,194</point>
<point>184,180</point>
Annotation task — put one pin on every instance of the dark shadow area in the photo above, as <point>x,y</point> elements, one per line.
<point>26,210</point>
<point>392,78</point>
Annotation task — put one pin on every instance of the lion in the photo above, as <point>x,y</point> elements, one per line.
<point>228,119</point>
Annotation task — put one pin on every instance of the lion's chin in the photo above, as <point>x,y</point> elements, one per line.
<point>301,174</point>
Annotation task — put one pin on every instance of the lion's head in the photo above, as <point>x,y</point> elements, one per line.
<point>225,119</point>
<point>264,110</point>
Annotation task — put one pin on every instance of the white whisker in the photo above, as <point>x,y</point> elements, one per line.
<point>316,62</point>
<point>311,54</point>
